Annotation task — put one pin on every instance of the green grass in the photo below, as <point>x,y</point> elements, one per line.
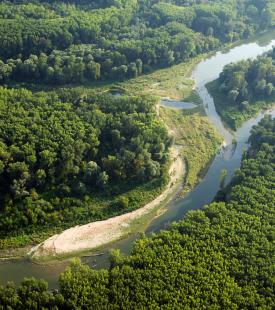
<point>232,115</point>
<point>173,82</point>
<point>198,138</point>
<point>94,207</point>
<point>200,142</point>
<point>193,97</point>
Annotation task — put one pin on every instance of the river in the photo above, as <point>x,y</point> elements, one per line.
<point>228,158</point>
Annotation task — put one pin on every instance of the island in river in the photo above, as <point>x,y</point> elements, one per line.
<point>228,159</point>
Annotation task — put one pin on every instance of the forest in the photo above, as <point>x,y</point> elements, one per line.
<point>64,152</point>
<point>72,155</point>
<point>244,88</point>
<point>59,150</point>
<point>71,42</point>
<point>220,257</point>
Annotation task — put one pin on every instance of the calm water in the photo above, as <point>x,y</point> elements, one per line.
<point>229,158</point>
<point>169,103</point>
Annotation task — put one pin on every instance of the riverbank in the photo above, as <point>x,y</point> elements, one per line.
<point>176,83</point>
<point>231,115</point>
<point>160,82</point>
<point>201,195</point>
<point>97,234</point>
<point>196,143</point>
<point>198,138</point>
<point>195,139</point>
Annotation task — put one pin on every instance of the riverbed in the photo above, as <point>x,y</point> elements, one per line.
<point>229,159</point>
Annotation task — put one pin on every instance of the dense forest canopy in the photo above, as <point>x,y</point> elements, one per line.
<point>245,87</point>
<point>61,42</point>
<point>221,257</point>
<point>246,81</point>
<point>69,157</point>
<point>54,148</point>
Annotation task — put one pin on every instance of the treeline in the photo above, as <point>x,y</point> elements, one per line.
<point>248,81</point>
<point>220,257</point>
<point>60,42</point>
<point>244,88</point>
<point>32,28</point>
<point>88,63</point>
<point>56,151</point>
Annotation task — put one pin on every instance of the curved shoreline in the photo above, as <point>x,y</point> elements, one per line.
<point>96,234</point>
<point>16,267</point>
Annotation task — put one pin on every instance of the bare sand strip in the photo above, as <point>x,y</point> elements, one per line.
<point>97,234</point>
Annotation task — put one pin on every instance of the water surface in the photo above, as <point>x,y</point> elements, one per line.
<point>229,158</point>
<point>179,105</point>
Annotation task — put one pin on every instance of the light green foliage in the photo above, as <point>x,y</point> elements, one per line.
<point>60,154</point>
<point>69,157</point>
<point>197,137</point>
<point>168,12</point>
<point>57,43</point>
<point>221,257</point>
<point>244,88</point>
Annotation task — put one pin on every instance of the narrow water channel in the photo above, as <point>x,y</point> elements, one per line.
<point>229,158</point>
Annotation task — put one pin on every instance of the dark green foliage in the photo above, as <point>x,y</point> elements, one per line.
<point>32,294</point>
<point>249,80</point>
<point>63,42</point>
<point>62,154</point>
<point>56,154</point>
<point>244,88</point>
<point>221,257</point>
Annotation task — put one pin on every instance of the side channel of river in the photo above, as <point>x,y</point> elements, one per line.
<point>229,158</point>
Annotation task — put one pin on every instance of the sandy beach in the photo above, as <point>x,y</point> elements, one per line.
<point>96,234</point>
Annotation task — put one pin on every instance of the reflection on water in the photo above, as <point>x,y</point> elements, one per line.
<point>18,270</point>
<point>169,103</point>
<point>228,151</point>
<point>265,38</point>
<point>228,159</point>
<point>209,69</point>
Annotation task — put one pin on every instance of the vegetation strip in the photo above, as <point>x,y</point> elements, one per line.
<point>97,234</point>
<point>80,153</point>
<point>244,88</point>
<point>221,256</point>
